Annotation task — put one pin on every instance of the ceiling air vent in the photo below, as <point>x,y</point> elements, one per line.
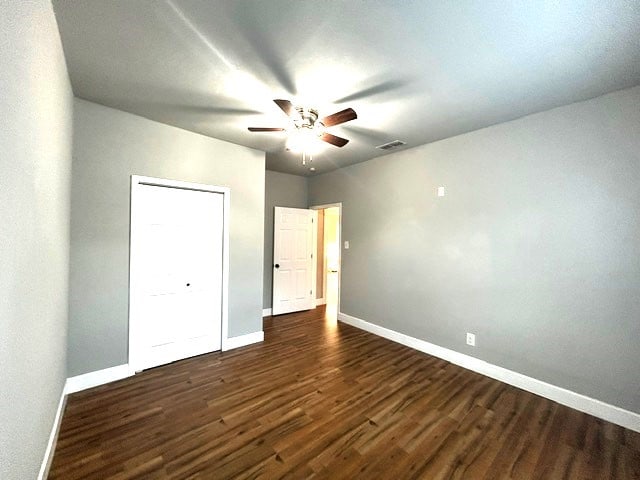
<point>390,145</point>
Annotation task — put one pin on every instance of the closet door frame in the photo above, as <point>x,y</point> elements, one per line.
<point>135,291</point>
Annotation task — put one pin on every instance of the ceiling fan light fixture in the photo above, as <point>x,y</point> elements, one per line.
<point>305,132</point>
<point>303,139</point>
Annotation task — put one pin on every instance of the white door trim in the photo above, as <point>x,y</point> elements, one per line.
<point>134,290</point>
<point>322,207</point>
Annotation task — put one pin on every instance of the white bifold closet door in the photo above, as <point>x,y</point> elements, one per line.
<point>178,273</point>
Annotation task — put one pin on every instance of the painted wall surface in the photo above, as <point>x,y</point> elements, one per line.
<point>535,247</point>
<point>109,147</point>
<point>36,105</point>
<point>281,190</point>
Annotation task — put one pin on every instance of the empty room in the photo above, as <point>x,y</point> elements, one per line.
<point>371,239</point>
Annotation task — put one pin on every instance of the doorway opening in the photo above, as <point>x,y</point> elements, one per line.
<point>328,258</point>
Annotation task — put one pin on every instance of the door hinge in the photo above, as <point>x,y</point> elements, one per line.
<point>312,255</point>
<point>310,292</point>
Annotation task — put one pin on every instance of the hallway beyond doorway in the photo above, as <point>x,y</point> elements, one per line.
<point>328,257</point>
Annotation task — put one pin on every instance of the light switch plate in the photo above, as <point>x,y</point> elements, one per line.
<point>346,244</point>
<point>441,191</point>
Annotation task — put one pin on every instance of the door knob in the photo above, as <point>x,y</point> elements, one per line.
<point>277,265</point>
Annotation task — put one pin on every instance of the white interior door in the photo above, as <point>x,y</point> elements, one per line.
<point>294,268</point>
<point>177,273</point>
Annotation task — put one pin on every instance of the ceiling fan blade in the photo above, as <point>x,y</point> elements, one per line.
<point>266,129</point>
<point>333,140</point>
<point>286,106</point>
<point>337,118</point>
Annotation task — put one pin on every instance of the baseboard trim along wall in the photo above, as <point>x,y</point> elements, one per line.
<point>107,375</point>
<point>266,312</point>
<point>577,401</point>
<point>94,379</point>
<point>320,301</point>
<point>53,437</point>
<point>243,340</point>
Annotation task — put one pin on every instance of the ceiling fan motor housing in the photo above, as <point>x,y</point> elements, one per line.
<point>307,118</point>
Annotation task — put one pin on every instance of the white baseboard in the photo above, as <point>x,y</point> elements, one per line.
<point>243,340</point>
<point>72,385</point>
<point>320,301</point>
<point>53,437</point>
<point>266,312</point>
<point>577,401</point>
<point>99,377</point>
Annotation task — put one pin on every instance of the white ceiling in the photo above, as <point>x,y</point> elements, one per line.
<point>417,71</point>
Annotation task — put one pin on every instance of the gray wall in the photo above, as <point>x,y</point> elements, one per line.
<point>281,190</point>
<point>535,248</point>
<point>109,146</point>
<point>35,168</point>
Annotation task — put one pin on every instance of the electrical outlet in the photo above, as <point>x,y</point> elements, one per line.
<point>471,339</point>
<point>441,191</point>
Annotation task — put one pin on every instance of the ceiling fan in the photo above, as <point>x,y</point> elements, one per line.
<point>308,127</point>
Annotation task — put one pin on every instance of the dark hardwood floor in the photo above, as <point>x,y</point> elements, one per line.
<point>324,400</point>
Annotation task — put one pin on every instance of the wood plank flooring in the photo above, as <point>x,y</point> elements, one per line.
<point>323,400</point>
